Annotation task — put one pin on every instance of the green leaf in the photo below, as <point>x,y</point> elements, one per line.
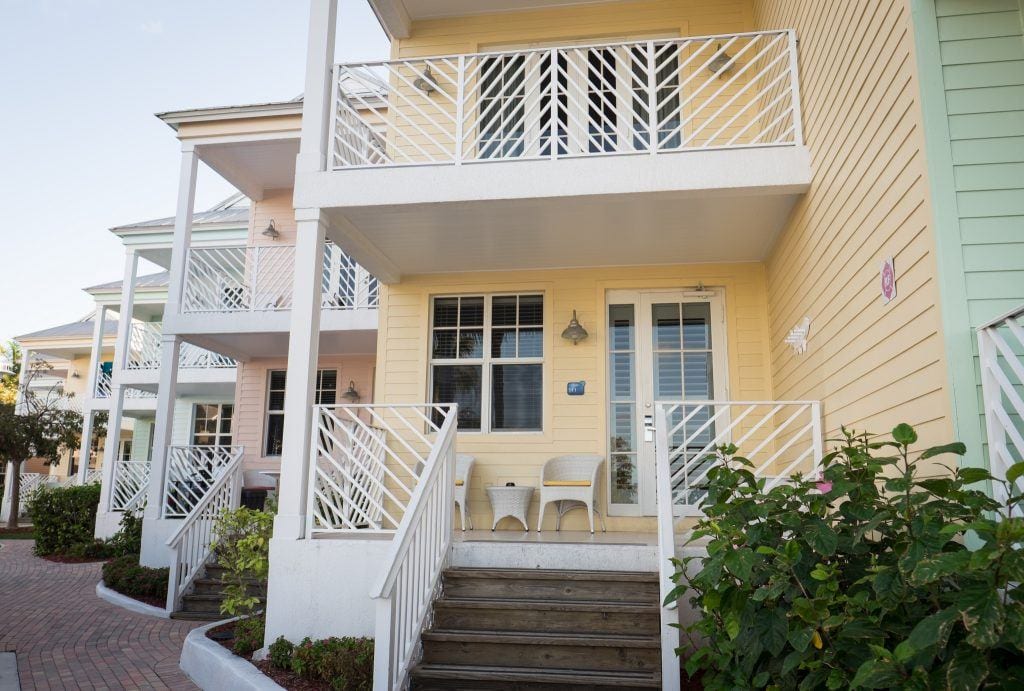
<point>800,638</point>
<point>945,564</point>
<point>732,625</point>
<point>971,475</point>
<point>932,630</point>
<point>966,670</point>
<point>984,619</point>
<point>956,447</point>
<point>761,680</point>
<point>822,538</point>
<point>1014,471</point>
<point>791,662</point>
<point>904,434</point>
<point>740,562</point>
<point>877,674</point>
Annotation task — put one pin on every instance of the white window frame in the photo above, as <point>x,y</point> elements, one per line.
<point>487,361</point>
<point>267,412</point>
<point>218,434</point>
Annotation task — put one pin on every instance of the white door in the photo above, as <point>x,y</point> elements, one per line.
<point>662,346</point>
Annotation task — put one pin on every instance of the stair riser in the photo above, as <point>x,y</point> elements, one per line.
<point>574,591</point>
<point>218,588</point>
<point>557,656</point>
<point>189,604</point>
<point>480,685</point>
<point>498,620</point>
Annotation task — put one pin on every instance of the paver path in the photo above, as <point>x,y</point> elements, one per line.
<point>67,638</point>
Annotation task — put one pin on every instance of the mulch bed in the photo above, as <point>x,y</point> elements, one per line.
<point>66,559</point>
<point>17,534</point>
<point>289,680</point>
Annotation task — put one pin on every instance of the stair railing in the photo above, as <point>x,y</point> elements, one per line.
<point>192,543</point>
<point>419,553</point>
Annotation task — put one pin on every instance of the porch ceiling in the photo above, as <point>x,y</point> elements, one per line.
<point>254,167</point>
<point>244,346</point>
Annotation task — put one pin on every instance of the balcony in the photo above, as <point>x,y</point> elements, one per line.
<point>698,138</point>
<point>237,291</point>
<point>200,371</point>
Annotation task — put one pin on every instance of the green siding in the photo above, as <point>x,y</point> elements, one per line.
<point>971,60</point>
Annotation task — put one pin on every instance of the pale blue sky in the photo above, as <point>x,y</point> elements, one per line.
<point>79,146</point>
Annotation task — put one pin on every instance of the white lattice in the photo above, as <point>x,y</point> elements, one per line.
<point>1001,350</point>
<point>191,471</point>
<point>131,481</point>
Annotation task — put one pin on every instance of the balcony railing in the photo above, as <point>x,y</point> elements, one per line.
<point>191,472</point>
<point>131,481</point>
<point>730,91</point>
<point>259,279</point>
<point>144,352</point>
<point>104,387</point>
<point>1001,350</point>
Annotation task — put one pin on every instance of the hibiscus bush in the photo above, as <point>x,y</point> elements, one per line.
<point>870,575</point>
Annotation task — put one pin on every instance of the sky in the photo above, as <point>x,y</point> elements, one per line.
<point>80,149</point>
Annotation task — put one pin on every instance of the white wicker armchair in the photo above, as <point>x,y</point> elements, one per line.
<point>463,474</point>
<point>571,481</point>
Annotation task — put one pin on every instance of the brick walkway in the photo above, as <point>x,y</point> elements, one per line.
<point>67,638</point>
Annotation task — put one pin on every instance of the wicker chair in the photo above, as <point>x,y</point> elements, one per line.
<point>463,474</point>
<point>571,481</point>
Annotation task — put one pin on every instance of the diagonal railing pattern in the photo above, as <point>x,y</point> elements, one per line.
<point>191,472</point>
<point>144,351</point>
<point>1001,351</point>
<point>654,96</point>
<point>131,481</point>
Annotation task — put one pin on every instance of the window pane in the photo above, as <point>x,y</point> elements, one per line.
<point>503,310</point>
<point>624,478</point>
<point>444,345</point>
<point>620,327</point>
<point>446,312</point>
<point>697,373</point>
<point>668,376</point>
<point>503,343</point>
<point>531,343</point>
<point>328,379</point>
<point>471,343</point>
<point>621,365</point>
<point>276,400</point>
<point>697,325</point>
<point>516,397</point>
<point>623,435</point>
<point>225,425</point>
<point>277,380</point>
<point>328,397</point>
<point>275,434</point>
<point>472,312</point>
<point>665,317</point>
<point>460,384</point>
<point>531,310</point>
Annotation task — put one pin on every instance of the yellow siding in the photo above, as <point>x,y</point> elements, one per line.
<point>571,424</point>
<point>873,365</point>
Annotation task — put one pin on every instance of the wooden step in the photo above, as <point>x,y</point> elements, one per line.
<point>539,584</point>
<point>204,602</point>
<point>213,586</point>
<point>198,616</point>
<point>427,677</point>
<point>548,616</point>
<point>592,652</point>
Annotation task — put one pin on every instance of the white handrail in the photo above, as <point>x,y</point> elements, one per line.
<point>144,351</point>
<point>191,471</point>
<point>191,544</point>
<point>419,552</point>
<point>1001,351</point>
<point>778,437</point>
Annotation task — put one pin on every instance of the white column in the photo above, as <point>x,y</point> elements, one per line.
<point>316,105</point>
<point>88,414</point>
<point>303,351</point>
<point>182,232</point>
<point>8,489</point>
<point>170,349</point>
<point>26,363</point>
<point>83,447</point>
<point>124,318</point>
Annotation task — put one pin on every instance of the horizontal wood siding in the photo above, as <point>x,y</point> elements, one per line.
<point>873,365</point>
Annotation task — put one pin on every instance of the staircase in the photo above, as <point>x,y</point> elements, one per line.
<point>203,603</point>
<point>534,629</point>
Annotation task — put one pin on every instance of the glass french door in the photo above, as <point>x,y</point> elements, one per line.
<point>663,346</point>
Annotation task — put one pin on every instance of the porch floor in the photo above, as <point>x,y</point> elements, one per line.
<point>569,537</point>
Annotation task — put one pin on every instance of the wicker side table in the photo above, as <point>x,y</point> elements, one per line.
<point>510,501</point>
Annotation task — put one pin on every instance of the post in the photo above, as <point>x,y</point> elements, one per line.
<point>303,352</point>
<point>999,458</point>
<point>316,106</point>
<point>21,402</point>
<point>182,231</point>
<point>85,446</point>
<point>666,551</point>
<point>8,491</point>
<point>156,529</point>
<point>124,318</point>
<point>794,86</point>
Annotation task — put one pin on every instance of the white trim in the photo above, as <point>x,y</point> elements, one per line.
<point>129,603</point>
<point>211,666</point>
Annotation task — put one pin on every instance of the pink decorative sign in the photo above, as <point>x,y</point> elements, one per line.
<point>888,275</point>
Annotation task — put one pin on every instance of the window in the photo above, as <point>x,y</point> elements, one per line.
<point>211,424</point>
<point>326,394</point>
<point>487,354</point>
<point>126,450</point>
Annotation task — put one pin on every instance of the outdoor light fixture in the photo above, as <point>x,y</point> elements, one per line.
<point>574,332</point>
<point>271,231</point>
<point>721,64</point>
<point>351,395</point>
<point>426,82</point>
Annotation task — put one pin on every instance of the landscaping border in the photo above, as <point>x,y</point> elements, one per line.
<point>129,603</point>
<point>212,666</point>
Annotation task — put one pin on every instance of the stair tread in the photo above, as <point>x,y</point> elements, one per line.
<point>546,605</point>
<point>525,674</point>
<point>216,597</point>
<point>198,616</point>
<point>552,574</point>
<point>543,638</point>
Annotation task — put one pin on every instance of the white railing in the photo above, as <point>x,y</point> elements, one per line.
<point>711,92</point>
<point>419,552</point>
<point>131,482</point>
<point>778,437</point>
<point>191,472</point>
<point>144,352</point>
<point>102,383</point>
<point>192,543</point>
<point>259,279</point>
<point>1001,351</point>
<point>28,485</point>
<point>94,476</point>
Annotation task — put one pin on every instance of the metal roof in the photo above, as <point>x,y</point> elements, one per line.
<point>157,280</point>
<point>77,329</point>
<point>234,209</point>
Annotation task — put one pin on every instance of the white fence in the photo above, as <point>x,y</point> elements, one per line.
<point>131,481</point>
<point>737,90</point>
<point>191,544</point>
<point>259,279</point>
<point>102,383</point>
<point>27,487</point>
<point>144,351</point>
<point>778,437</point>
<point>1001,350</point>
<point>191,473</point>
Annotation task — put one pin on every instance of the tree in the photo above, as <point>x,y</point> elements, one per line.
<point>38,424</point>
<point>10,355</point>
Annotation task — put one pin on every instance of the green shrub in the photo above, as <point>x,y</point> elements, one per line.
<point>242,547</point>
<point>95,549</point>
<point>248,635</point>
<point>859,578</point>
<point>280,653</point>
<point>63,517</point>
<point>128,538</point>
<point>126,576</point>
<point>344,663</point>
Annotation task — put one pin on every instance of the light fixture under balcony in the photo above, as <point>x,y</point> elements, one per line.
<point>351,394</point>
<point>575,331</point>
<point>271,231</point>
<point>722,63</point>
<point>426,82</point>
